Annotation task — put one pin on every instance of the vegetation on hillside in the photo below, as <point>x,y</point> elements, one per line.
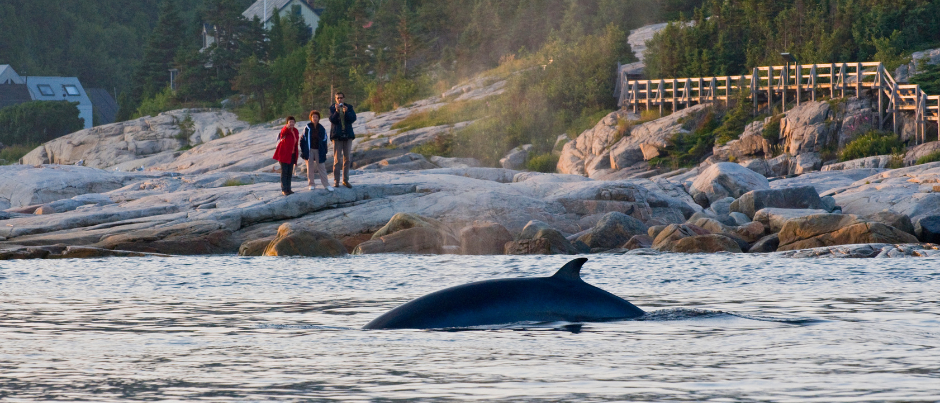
<point>730,37</point>
<point>36,122</point>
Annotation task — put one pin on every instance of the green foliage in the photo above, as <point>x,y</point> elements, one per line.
<point>771,130</point>
<point>871,144</point>
<point>385,96</point>
<point>38,122</point>
<point>928,77</point>
<point>538,104</point>
<point>689,149</point>
<point>734,122</point>
<point>441,146</point>
<point>187,128</point>
<point>731,37</point>
<point>932,157</point>
<point>451,113</point>
<point>12,154</point>
<point>160,102</point>
<point>543,163</point>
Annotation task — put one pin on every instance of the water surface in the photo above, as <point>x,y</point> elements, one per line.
<point>721,328</point>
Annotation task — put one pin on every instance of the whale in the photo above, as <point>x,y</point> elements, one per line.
<point>563,296</point>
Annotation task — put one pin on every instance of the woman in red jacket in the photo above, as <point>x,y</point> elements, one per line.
<point>288,148</point>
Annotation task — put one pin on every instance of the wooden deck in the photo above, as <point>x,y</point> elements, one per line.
<point>771,84</point>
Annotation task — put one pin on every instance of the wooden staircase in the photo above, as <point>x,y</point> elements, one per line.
<point>793,84</point>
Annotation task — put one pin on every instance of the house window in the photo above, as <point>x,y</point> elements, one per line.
<point>71,90</point>
<point>45,89</point>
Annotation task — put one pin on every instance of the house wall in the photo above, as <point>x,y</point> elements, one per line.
<point>85,109</point>
<point>311,18</point>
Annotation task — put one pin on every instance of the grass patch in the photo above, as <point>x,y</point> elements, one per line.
<point>441,147</point>
<point>543,163</point>
<point>871,144</point>
<point>234,182</point>
<point>448,114</point>
<point>689,149</point>
<point>932,157</point>
<point>12,154</point>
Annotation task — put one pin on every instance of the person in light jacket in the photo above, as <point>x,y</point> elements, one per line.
<point>313,146</point>
<point>342,117</point>
<point>286,153</point>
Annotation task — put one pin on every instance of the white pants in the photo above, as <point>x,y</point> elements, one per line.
<point>315,168</point>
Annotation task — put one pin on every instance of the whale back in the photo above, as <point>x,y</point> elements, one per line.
<point>563,296</point>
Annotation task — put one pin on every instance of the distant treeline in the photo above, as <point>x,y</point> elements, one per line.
<point>381,53</point>
<point>730,37</point>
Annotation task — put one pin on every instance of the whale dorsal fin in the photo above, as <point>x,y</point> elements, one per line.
<point>571,270</point>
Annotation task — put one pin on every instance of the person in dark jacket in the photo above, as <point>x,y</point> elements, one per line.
<point>342,117</point>
<point>313,145</point>
<point>286,153</point>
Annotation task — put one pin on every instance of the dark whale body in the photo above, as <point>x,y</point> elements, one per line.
<point>561,297</point>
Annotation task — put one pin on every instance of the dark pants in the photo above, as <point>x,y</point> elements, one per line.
<point>287,172</point>
<point>342,160</point>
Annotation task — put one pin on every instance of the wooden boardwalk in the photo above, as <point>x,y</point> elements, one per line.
<point>789,84</point>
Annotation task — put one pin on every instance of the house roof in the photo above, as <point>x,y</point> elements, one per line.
<point>257,9</point>
<point>8,74</point>
<point>12,94</point>
<point>104,105</point>
<point>55,88</point>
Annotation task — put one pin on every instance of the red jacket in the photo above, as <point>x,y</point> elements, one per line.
<point>287,142</point>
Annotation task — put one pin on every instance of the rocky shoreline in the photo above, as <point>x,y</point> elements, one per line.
<point>130,189</point>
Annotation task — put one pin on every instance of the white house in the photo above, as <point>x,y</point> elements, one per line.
<point>265,9</point>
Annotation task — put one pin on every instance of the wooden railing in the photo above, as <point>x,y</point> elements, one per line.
<point>765,84</point>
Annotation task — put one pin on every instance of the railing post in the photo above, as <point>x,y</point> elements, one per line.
<point>895,108</point>
<point>770,90</point>
<point>881,110</point>
<point>727,91</point>
<point>713,92</point>
<point>687,93</point>
<point>858,82</point>
<point>799,82</point>
<point>675,91</point>
<point>755,86</point>
<point>832,80</point>
<point>842,79</point>
<point>660,97</point>
<point>784,80</point>
<point>649,93</point>
<point>812,77</point>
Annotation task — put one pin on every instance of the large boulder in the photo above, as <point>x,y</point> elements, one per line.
<point>27,185</point>
<point>804,197</point>
<point>254,247</point>
<point>750,232</point>
<point>484,238</point>
<point>710,243</point>
<point>837,229</point>
<point>928,229</point>
<point>641,241</point>
<point>773,218</point>
<point>893,219</point>
<point>293,240</point>
<point>807,128</point>
<point>516,158</point>
<point>751,143</point>
<point>725,179</point>
<point>675,232</point>
<point>200,237</point>
<point>766,244</point>
<point>541,238</point>
<point>613,230</point>
<point>403,221</point>
<point>416,240</point>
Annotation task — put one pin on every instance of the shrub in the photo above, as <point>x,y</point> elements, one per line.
<point>771,130</point>
<point>12,154</point>
<point>734,122</point>
<point>932,157</point>
<point>234,182</point>
<point>871,144</point>
<point>689,149</point>
<point>38,121</point>
<point>441,147</point>
<point>161,102</point>
<point>448,114</point>
<point>543,163</point>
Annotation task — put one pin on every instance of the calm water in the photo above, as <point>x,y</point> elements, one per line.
<point>722,328</point>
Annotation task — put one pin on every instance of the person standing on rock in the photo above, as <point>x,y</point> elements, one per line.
<point>313,149</point>
<point>342,117</point>
<point>286,153</point>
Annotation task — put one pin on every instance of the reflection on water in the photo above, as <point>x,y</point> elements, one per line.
<point>719,328</point>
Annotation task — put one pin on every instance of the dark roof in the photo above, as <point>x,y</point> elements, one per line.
<point>12,94</point>
<point>103,104</point>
